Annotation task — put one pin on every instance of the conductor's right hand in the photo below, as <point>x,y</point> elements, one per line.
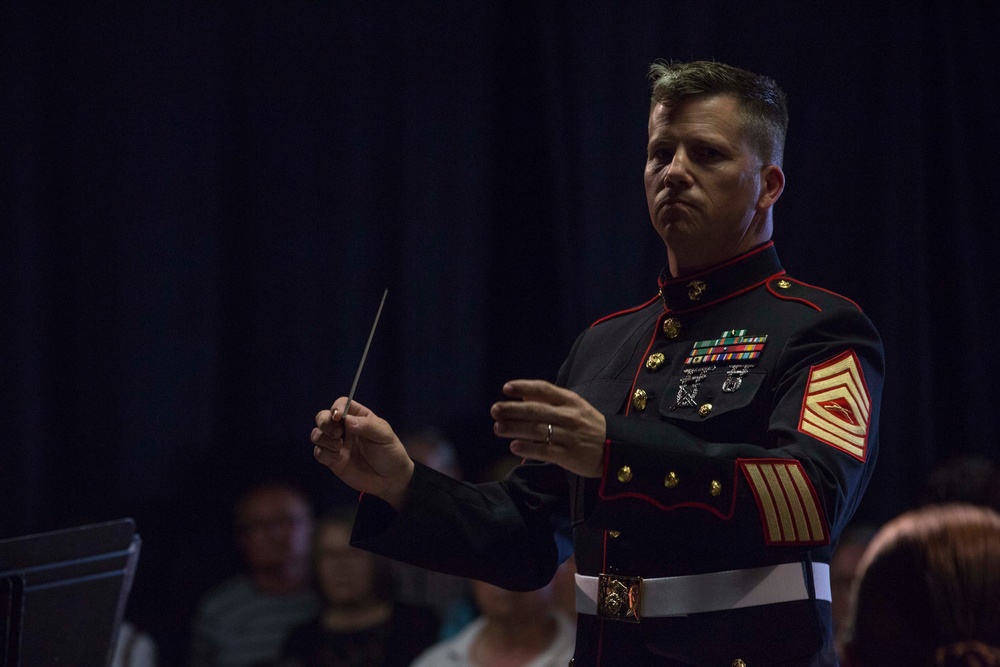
<point>363,451</point>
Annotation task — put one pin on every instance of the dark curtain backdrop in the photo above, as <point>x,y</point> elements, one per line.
<point>202,203</point>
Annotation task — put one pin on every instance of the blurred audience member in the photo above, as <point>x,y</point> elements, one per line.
<point>135,648</point>
<point>844,568</point>
<point>564,589</point>
<point>431,448</point>
<point>449,596</point>
<point>928,591</point>
<point>514,629</point>
<point>963,479</point>
<point>245,620</point>
<point>359,625</point>
<point>532,629</point>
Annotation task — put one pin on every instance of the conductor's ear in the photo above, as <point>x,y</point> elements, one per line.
<point>772,181</point>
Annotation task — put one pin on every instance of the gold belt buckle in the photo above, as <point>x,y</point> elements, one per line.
<point>618,597</point>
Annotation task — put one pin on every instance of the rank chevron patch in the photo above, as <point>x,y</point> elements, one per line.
<point>836,407</point>
<point>787,502</point>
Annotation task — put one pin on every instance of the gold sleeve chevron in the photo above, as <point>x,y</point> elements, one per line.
<point>836,408</point>
<point>789,510</point>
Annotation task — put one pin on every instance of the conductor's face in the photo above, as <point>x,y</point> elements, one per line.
<point>706,189</point>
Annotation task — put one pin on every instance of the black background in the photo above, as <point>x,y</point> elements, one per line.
<point>202,202</point>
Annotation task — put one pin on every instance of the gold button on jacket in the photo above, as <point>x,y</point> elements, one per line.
<point>639,399</point>
<point>672,327</point>
<point>655,360</point>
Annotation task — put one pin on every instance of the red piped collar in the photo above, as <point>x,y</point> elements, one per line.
<point>720,282</point>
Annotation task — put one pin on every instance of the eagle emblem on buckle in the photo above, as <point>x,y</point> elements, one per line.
<point>618,597</point>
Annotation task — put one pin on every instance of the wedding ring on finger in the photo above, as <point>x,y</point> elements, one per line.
<point>548,436</point>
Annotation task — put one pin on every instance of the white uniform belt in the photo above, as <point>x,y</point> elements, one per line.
<point>632,598</point>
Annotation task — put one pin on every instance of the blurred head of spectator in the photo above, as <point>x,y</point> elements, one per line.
<point>962,479</point>
<point>928,591</point>
<point>432,449</point>
<point>359,623</point>
<point>354,584</point>
<point>273,532</point>
<point>245,620</point>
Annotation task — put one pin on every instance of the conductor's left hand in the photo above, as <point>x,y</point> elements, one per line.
<point>578,431</point>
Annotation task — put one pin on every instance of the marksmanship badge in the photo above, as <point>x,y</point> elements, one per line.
<point>687,391</point>
<point>734,377</point>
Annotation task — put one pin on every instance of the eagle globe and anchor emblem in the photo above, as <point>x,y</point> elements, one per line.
<point>619,597</point>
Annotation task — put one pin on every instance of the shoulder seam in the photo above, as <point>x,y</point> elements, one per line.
<point>785,297</point>
<point>634,309</point>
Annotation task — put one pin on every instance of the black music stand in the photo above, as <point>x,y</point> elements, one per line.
<point>63,594</point>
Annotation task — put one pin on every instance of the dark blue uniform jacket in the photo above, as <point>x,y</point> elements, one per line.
<point>742,428</point>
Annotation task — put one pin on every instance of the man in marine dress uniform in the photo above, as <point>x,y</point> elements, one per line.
<point>700,453</point>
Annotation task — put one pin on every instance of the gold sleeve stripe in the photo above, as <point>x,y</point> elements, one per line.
<point>792,494</point>
<point>816,526</point>
<point>764,504</point>
<point>774,489</point>
<point>836,405</point>
<point>786,502</point>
